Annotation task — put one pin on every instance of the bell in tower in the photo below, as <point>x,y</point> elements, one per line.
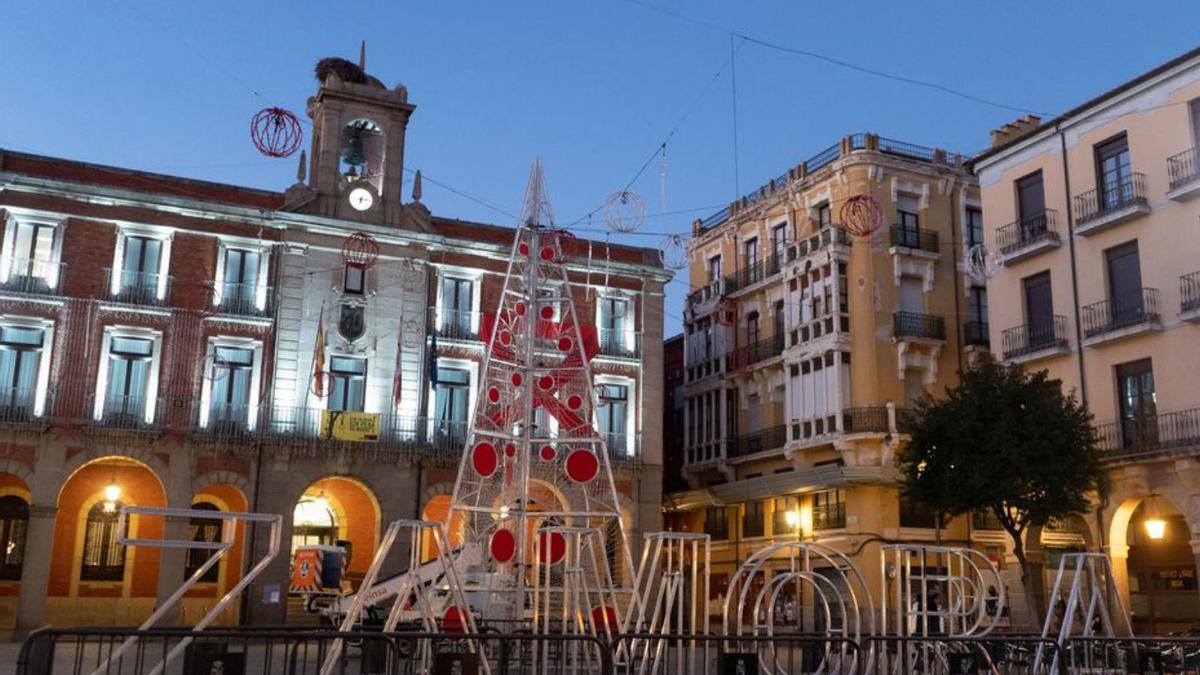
<point>356,166</point>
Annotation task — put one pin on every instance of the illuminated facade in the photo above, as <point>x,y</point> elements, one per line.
<point>158,347</point>
<point>1096,218</point>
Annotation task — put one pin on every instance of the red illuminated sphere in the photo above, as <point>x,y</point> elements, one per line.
<point>360,250</point>
<point>276,132</point>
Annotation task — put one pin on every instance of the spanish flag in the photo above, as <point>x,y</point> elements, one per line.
<point>318,386</point>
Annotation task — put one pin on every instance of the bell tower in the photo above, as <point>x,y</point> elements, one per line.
<point>357,155</point>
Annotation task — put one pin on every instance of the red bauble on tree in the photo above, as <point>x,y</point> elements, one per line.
<point>861,215</point>
<point>360,250</point>
<point>276,132</point>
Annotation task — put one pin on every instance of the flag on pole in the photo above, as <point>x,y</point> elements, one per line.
<point>318,386</point>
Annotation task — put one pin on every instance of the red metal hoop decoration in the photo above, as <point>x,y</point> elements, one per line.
<point>276,132</point>
<point>360,250</point>
<point>860,216</point>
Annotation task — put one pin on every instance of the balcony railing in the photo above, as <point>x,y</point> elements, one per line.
<point>915,238</point>
<point>20,404</point>
<point>620,343</point>
<point>125,412</point>
<point>904,149</point>
<point>1183,168</point>
<point>829,517</point>
<point>244,300</point>
<point>1189,292</point>
<point>622,446</point>
<point>748,355</point>
<point>1132,309</point>
<point>752,273</point>
<point>1110,198</point>
<point>771,438</point>
<point>1048,333</point>
<point>711,290</point>
<point>139,288</point>
<point>832,235</point>
<point>31,276</point>
<point>1042,227</point>
<point>865,419</point>
<point>454,324</point>
<point>920,326</point>
<point>1150,433</point>
<point>975,334</point>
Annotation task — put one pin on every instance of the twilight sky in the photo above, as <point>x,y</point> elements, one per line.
<point>591,86</point>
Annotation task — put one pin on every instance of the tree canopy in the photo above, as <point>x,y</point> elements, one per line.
<point>1006,441</point>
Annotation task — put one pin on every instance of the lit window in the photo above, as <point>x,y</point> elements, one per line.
<point>206,530</point>
<point>103,557</point>
<point>129,363</point>
<point>14,524</point>
<point>20,361</point>
<point>354,280</point>
<point>347,383</point>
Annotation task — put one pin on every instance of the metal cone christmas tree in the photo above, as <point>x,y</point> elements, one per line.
<point>534,465</point>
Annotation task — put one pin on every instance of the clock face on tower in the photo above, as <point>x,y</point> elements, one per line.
<point>361,198</point>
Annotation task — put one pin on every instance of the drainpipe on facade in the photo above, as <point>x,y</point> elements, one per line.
<point>1074,276</point>
<point>959,328</point>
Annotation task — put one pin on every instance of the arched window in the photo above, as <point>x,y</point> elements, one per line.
<point>14,523</point>
<point>206,530</point>
<point>313,523</point>
<point>103,557</point>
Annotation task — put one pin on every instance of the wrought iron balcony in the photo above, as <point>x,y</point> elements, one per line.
<point>20,405</point>
<point>126,412</point>
<point>1034,337</point>
<point>1028,236</point>
<point>829,236</point>
<point>244,300</point>
<point>1183,170</point>
<point>748,355</point>
<point>454,324</point>
<point>1110,204</point>
<point>622,446</point>
<point>138,288</point>
<point>619,343</point>
<point>31,276</point>
<point>227,420</point>
<point>1133,310</point>
<point>975,334</point>
<point>771,438</point>
<point>706,293</point>
<point>919,326</point>
<point>752,273</point>
<point>1189,294</point>
<point>1150,434</point>
<point>866,419</point>
<point>915,238</point>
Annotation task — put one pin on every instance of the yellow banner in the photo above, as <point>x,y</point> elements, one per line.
<point>350,426</point>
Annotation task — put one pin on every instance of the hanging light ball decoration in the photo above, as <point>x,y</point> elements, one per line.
<point>861,215</point>
<point>276,132</point>
<point>981,263</point>
<point>360,250</point>
<point>624,211</point>
<point>674,251</point>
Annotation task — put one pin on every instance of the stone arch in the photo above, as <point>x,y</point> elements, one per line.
<point>17,469</point>
<point>437,489</point>
<point>358,514</point>
<point>72,598</point>
<point>142,456</point>
<point>228,477</point>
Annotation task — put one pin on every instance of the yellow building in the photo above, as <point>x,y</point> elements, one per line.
<point>804,345</point>
<point>1095,217</point>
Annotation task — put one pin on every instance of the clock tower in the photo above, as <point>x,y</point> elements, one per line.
<point>357,153</point>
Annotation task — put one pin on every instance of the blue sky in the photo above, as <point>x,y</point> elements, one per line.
<point>591,86</point>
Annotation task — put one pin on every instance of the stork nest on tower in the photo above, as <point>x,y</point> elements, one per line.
<point>347,71</point>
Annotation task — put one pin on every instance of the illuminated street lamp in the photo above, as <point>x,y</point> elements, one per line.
<point>1156,526</point>
<point>112,493</point>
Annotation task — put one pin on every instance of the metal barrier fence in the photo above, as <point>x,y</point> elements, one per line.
<point>292,651</point>
<point>997,655</point>
<point>278,651</point>
<point>780,654</point>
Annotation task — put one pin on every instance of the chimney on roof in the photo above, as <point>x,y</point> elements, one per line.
<point>1015,129</point>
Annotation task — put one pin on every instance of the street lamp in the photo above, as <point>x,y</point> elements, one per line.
<point>112,493</point>
<point>1156,526</point>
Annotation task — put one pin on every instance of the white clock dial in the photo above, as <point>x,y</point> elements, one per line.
<point>361,198</point>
